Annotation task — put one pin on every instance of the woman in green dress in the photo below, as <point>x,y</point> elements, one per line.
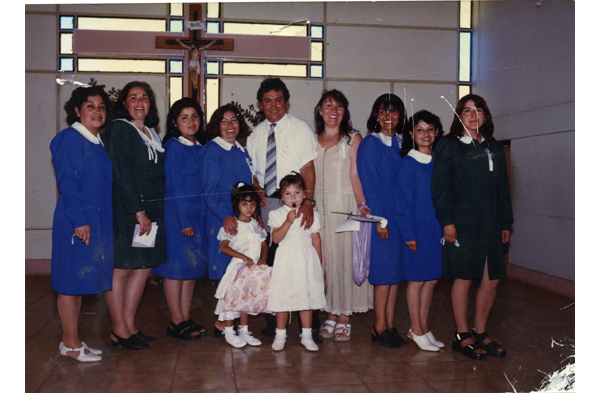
<point>471,196</point>
<point>138,199</point>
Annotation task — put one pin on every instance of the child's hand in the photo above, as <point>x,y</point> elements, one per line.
<point>249,262</point>
<point>261,262</point>
<point>291,216</point>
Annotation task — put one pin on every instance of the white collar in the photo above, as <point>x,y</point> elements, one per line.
<point>466,139</point>
<point>95,139</point>
<point>184,141</point>
<point>153,144</point>
<point>226,145</point>
<point>387,140</point>
<point>420,157</point>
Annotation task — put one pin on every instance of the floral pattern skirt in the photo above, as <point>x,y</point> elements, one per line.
<point>243,289</point>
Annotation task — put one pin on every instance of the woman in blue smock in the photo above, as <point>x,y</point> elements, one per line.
<point>224,163</point>
<point>185,214</point>
<point>420,230</point>
<point>378,159</point>
<point>82,233</point>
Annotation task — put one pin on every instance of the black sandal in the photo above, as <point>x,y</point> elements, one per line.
<point>469,349</point>
<point>182,331</point>
<point>197,328</point>
<point>492,348</point>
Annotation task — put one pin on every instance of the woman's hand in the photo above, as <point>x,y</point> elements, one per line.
<point>412,245</point>
<point>145,223</point>
<point>189,232</point>
<point>505,236</point>
<point>364,211</point>
<point>450,233</point>
<point>84,233</point>
<point>230,225</point>
<point>261,262</point>
<point>383,233</point>
<point>308,214</point>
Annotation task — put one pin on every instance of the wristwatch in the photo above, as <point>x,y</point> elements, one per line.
<point>311,201</point>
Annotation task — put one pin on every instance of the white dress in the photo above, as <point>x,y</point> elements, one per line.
<point>297,277</point>
<point>248,242</point>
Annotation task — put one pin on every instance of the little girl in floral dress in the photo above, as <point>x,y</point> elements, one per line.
<point>297,278</point>
<point>244,288</point>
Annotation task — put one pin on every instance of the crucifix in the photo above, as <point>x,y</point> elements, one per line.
<point>195,46</point>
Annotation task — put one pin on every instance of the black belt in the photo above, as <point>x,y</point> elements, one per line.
<point>276,195</point>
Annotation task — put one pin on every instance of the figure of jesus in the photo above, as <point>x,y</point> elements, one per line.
<point>194,64</point>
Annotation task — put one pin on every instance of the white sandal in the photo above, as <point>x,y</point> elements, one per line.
<point>82,357</point>
<point>345,329</point>
<point>329,326</point>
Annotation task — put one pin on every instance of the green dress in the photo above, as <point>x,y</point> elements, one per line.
<point>469,188</point>
<point>138,184</point>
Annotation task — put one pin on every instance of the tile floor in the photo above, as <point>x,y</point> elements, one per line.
<point>526,320</point>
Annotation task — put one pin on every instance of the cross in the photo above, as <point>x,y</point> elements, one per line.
<point>195,47</point>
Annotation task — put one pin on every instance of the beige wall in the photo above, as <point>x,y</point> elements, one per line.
<point>527,75</point>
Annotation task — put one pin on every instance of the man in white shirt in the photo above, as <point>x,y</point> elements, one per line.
<point>296,147</point>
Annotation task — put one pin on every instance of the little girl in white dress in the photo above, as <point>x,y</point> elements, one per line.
<point>244,288</point>
<point>297,276</point>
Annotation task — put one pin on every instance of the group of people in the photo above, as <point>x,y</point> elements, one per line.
<point>262,218</point>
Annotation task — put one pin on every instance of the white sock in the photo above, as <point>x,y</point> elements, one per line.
<point>229,329</point>
<point>280,332</point>
<point>307,332</point>
<point>243,328</point>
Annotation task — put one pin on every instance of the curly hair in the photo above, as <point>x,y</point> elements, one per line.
<point>121,112</point>
<point>427,117</point>
<point>346,124</point>
<point>244,192</point>
<point>213,129</point>
<point>486,130</point>
<point>390,101</point>
<point>269,84</point>
<point>79,96</point>
<point>176,109</point>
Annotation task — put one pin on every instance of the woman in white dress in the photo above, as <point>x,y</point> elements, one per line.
<point>338,189</point>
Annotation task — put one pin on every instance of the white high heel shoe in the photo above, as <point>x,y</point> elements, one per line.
<point>83,357</point>
<point>422,342</point>
<point>435,342</point>
<point>92,350</point>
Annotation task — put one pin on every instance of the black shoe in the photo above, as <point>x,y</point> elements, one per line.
<point>144,338</point>
<point>384,338</point>
<point>317,338</point>
<point>132,342</point>
<point>493,348</point>
<point>469,349</point>
<point>269,331</point>
<point>397,337</point>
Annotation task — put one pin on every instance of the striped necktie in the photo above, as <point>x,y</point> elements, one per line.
<point>271,166</point>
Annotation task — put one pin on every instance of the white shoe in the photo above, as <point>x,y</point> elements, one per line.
<point>279,342</point>
<point>92,350</point>
<point>234,340</point>
<point>423,342</point>
<point>83,357</point>
<point>247,336</point>
<point>308,343</point>
<point>435,342</point>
